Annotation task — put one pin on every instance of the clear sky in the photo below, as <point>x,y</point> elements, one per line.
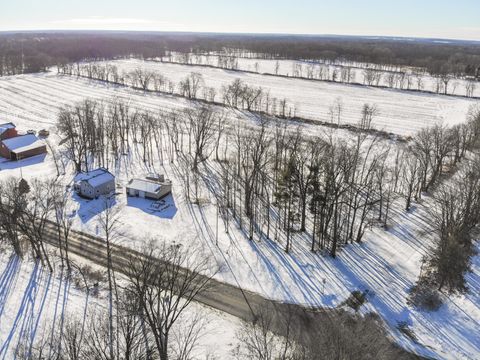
<point>453,19</point>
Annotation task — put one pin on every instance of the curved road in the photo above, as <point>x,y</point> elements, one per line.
<point>221,296</point>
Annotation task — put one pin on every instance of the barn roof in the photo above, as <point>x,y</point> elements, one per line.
<point>23,143</point>
<point>95,177</point>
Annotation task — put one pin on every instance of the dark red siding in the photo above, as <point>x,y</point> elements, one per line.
<point>10,133</point>
<point>26,154</point>
<point>4,152</point>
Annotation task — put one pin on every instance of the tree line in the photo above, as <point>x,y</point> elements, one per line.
<point>32,52</point>
<point>22,53</point>
<point>443,82</point>
<point>279,185</point>
<point>237,94</point>
<point>457,57</point>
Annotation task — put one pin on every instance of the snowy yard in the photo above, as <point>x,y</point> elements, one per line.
<point>33,303</point>
<point>387,262</point>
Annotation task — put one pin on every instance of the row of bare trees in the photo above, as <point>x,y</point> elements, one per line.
<point>223,61</point>
<point>240,95</point>
<point>99,133</point>
<point>395,58</point>
<point>441,82</point>
<point>284,183</point>
<point>237,94</point>
<point>277,183</point>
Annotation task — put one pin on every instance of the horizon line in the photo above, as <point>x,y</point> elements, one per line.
<point>372,37</point>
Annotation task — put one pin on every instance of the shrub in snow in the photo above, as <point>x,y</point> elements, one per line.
<point>424,296</point>
<point>356,299</point>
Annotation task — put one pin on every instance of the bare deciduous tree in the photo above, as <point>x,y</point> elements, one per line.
<point>163,287</point>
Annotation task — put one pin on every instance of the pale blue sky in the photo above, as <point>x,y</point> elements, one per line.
<point>458,19</point>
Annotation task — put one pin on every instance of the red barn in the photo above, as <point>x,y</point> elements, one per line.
<point>7,131</point>
<point>22,147</point>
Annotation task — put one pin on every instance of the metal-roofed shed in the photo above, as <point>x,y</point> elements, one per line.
<point>150,189</point>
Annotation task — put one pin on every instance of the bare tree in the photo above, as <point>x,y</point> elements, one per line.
<point>202,123</point>
<point>336,110</point>
<point>368,114</point>
<point>186,335</point>
<point>159,280</point>
<point>258,342</point>
<point>40,204</point>
<point>64,221</point>
<point>13,201</point>
<point>410,177</point>
<point>108,221</point>
<point>190,86</point>
<point>72,340</point>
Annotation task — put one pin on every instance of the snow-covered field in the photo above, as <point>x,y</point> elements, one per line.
<point>400,112</point>
<point>299,68</point>
<point>387,262</point>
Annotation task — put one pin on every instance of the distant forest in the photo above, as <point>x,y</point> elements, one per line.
<point>33,52</point>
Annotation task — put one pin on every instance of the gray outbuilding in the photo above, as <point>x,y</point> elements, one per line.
<point>94,183</point>
<point>153,188</point>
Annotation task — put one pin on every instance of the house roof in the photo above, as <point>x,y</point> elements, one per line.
<point>23,143</point>
<point>95,177</point>
<point>144,185</point>
<point>5,127</point>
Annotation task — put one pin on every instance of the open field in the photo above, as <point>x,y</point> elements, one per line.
<point>400,112</point>
<point>306,69</point>
<point>386,262</point>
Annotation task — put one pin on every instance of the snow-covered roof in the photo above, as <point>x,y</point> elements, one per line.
<point>144,185</point>
<point>95,177</point>
<point>5,127</point>
<point>23,143</point>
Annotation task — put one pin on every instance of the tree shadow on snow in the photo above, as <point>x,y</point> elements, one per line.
<point>12,165</point>
<point>88,209</point>
<point>164,208</point>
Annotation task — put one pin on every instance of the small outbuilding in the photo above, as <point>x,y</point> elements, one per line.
<point>22,147</point>
<point>7,131</point>
<point>95,183</point>
<point>153,188</point>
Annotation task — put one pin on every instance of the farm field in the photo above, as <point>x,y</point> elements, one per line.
<point>300,68</point>
<point>387,261</point>
<point>400,112</point>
